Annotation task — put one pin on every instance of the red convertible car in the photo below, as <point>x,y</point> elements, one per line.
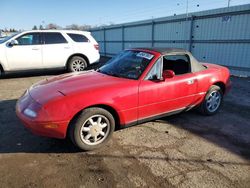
<point>137,85</point>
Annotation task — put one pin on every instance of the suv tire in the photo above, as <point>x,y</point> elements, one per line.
<point>77,64</point>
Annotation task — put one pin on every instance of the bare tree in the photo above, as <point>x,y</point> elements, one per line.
<point>78,27</point>
<point>85,27</point>
<point>53,26</point>
<point>73,27</point>
<point>34,27</point>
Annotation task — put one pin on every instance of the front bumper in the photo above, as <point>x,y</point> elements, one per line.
<point>40,125</point>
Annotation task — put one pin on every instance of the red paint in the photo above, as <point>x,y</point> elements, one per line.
<point>58,99</point>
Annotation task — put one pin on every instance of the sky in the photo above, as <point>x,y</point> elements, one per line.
<point>24,14</point>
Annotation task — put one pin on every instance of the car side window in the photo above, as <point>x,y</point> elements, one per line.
<point>29,39</point>
<point>78,37</point>
<point>54,38</point>
<point>180,64</point>
<point>156,71</point>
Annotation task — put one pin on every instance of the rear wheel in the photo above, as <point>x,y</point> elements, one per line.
<point>77,64</point>
<point>92,129</point>
<point>212,101</point>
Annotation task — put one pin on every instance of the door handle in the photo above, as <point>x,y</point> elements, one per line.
<point>66,47</point>
<point>35,48</point>
<point>189,82</point>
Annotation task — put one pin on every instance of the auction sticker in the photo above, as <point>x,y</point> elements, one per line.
<point>145,55</point>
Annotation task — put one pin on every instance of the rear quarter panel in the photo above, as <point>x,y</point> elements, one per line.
<point>210,76</point>
<point>85,48</point>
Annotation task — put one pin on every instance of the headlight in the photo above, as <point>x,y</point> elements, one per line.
<point>30,113</point>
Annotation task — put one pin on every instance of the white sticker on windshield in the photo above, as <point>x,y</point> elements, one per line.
<point>145,55</point>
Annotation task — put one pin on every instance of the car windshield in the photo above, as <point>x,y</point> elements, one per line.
<point>7,38</point>
<point>128,64</point>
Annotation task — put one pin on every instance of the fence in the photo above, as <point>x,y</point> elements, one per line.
<point>220,36</point>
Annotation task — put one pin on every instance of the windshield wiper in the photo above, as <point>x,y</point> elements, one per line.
<point>109,73</point>
<point>114,74</point>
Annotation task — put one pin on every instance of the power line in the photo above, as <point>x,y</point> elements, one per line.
<point>147,13</point>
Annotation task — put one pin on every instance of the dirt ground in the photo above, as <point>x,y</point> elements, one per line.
<point>185,150</point>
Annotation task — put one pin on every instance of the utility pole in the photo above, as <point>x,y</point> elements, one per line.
<point>228,3</point>
<point>43,24</point>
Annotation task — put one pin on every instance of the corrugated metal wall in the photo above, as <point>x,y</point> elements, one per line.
<point>220,36</point>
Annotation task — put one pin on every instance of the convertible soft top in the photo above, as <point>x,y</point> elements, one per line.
<point>195,65</point>
<point>165,51</point>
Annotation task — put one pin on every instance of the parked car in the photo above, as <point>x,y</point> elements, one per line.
<point>2,38</point>
<point>137,85</point>
<point>40,49</point>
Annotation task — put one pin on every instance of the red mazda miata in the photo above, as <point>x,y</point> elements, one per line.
<point>137,85</point>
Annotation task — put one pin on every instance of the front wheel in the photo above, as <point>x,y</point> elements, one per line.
<point>212,101</point>
<point>92,129</point>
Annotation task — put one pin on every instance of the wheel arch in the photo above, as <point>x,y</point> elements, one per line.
<point>77,54</point>
<point>103,106</point>
<point>1,67</point>
<point>221,85</point>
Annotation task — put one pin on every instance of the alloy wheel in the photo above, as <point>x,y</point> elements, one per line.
<point>213,101</point>
<point>95,130</point>
<point>78,65</point>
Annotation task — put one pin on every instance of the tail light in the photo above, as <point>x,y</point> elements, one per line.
<point>96,46</point>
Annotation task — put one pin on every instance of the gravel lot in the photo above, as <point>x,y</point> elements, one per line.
<point>185,150</point>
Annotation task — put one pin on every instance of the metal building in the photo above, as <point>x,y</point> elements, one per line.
<point>220,36</point>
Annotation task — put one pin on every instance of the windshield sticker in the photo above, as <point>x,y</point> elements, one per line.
<point>145,55</point>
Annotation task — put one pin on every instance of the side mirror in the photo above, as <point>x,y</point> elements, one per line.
<point>13,42</point>
<point>168,74</point>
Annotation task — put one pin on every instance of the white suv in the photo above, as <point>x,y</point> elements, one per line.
<point>39,49</point>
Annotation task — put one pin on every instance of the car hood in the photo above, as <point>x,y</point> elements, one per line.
<point>72,83</point>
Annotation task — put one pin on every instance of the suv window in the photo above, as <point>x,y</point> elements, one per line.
<point>180,64</point>
<point>78,37</point>
<point>29,39</point>
<point>54,38</point>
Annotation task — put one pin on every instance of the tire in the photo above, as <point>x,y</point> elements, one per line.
<point>1,72</point>
<point>77,64</point>
<point>92,128</point>
<point>212,101</point>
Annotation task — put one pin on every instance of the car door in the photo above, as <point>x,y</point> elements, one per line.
<point>157,96</point>
<point>26,53</point>
<point>56,49</point>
